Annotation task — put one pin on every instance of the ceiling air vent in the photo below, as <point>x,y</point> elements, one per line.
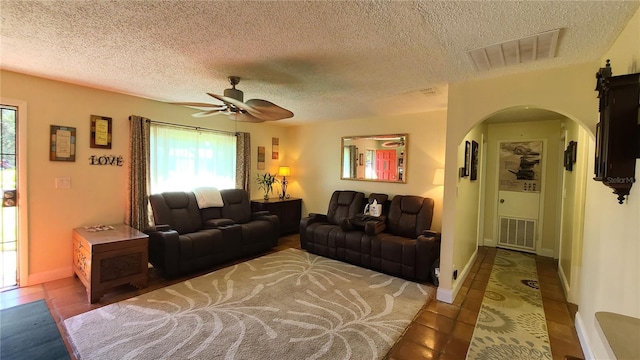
<point>532,48</point>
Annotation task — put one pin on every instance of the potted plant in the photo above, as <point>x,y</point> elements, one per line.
<point>265,182</point>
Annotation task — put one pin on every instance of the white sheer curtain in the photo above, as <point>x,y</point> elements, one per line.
<point>183,159</point>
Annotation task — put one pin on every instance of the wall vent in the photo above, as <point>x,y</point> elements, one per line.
<point>532,48</point>
<point>517,233</point>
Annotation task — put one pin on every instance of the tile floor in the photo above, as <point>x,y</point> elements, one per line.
<point>439,331</point>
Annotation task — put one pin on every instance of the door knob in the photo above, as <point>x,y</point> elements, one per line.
<point>501,201</point>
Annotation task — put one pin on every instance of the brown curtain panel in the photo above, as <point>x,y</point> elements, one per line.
<point>243,161</point>
<point>138,200</point>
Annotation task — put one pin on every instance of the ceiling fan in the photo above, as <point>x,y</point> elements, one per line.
<point>253,110</point>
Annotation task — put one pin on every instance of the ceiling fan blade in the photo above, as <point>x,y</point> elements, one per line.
<point>244,117</point>
<point>268,110</point>
<point>197,104</point>
<point>207,113</point>
<point>238,104</point>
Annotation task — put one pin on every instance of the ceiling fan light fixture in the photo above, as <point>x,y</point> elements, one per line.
<point>234,94</point>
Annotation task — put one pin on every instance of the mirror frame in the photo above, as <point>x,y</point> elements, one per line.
<point>385,137</point>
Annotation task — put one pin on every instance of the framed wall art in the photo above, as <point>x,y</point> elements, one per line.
<point>260,157</point>
<point>62,143</point>
<point>474,161</point>
<point>101,131</point>
<point>275,148</point>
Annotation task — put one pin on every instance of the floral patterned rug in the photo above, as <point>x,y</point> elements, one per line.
<point>511,324</point>
<point>287,305</point>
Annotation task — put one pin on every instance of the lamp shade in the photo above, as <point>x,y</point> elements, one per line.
<point>438,178</point>
<point>284,171</point>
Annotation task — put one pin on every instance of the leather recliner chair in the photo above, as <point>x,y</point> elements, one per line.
<point>187,238</point>
<point>322,234</point>
<point>407,247</point>
<point>398,243</point>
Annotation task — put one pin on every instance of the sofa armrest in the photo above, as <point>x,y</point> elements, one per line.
<point>374,227</point>
<point>314,217</point>
<point>259,214</point>
<point>160,227</point>
<point>427,251</point>
<point>164,251</point>
<point>431,233</point>
<point>216,223</point>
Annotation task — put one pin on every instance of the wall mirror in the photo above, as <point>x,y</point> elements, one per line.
<point>375,158</point>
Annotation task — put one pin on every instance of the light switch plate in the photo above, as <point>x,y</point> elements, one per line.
<point>63,183</point>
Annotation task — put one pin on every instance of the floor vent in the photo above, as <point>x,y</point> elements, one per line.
<point>517,233</point>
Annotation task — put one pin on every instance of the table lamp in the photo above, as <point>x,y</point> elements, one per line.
<point>284,171</point>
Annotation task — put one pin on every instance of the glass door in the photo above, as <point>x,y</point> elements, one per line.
<point>8,187</point>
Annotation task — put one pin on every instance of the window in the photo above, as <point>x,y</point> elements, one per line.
<point>183,159</point>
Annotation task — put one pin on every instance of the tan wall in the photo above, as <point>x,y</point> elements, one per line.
<point>98,193</point>
<point>468,198</point>
<point>317,157</point>
<point>610,271</point>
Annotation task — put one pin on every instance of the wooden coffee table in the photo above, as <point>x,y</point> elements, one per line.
<point>109,258</point>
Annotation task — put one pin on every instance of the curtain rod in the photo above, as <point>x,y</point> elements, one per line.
<point>197,128</point>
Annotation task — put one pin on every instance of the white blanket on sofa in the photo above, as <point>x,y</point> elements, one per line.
<point>208,197</point>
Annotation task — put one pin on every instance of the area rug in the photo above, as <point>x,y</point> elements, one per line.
<point>287,305</point>
<point>511,324</point>
<point>28,331</point>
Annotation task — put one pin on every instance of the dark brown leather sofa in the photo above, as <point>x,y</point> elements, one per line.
<point>398,243</point>
<point>186,238</point>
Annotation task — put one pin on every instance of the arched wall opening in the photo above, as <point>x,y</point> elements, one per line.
<point>565,91</point>
<point>560,193</point>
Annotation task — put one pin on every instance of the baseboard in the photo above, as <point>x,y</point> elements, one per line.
<point>488,242</point>
<point>449,295</point>
<point>546,252</point>
<point>584,339</point>
<point>445,295</point>
<point>565,284</point>
<point>57,274</point>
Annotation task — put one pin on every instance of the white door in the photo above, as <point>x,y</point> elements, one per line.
<point>519,194</point>
<point>518,214</point>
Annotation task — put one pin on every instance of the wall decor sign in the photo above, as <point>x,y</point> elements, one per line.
<point>519,166</point>
<point>106,160</point>
<point>62,143</point>
<point>261,152</point>
<point>275,148</point>
<point>100,132</point>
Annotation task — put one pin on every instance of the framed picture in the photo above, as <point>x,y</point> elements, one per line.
<point>568,163</point>
<point>474,160</point>
<point>100,132</point>
<point>467,158</point>
<point>62,143</point>
<point>275,148</point>
<point>260,157</point>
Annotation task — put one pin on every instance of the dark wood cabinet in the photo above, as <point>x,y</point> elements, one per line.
<point>617,133</point>
<point>289,212</point>
<point>106,259</point>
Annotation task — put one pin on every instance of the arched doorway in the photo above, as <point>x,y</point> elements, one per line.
<point>558,189</point>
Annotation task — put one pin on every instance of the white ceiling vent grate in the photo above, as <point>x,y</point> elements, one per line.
<point>532,48</point>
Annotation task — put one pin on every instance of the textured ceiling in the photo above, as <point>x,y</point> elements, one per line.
<point>322,60</point>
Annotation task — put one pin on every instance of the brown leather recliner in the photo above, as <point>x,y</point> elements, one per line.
<point>399,242</point>
<point>187,238</point>
<point>407,247</point>
<point>322,234</point>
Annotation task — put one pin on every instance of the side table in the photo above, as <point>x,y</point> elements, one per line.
<point>109,258</point>
<point>289,212</point>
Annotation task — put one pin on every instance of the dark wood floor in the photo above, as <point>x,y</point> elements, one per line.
<point>439,331</point>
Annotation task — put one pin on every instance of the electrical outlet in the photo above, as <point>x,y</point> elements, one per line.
<point>455,274</point>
